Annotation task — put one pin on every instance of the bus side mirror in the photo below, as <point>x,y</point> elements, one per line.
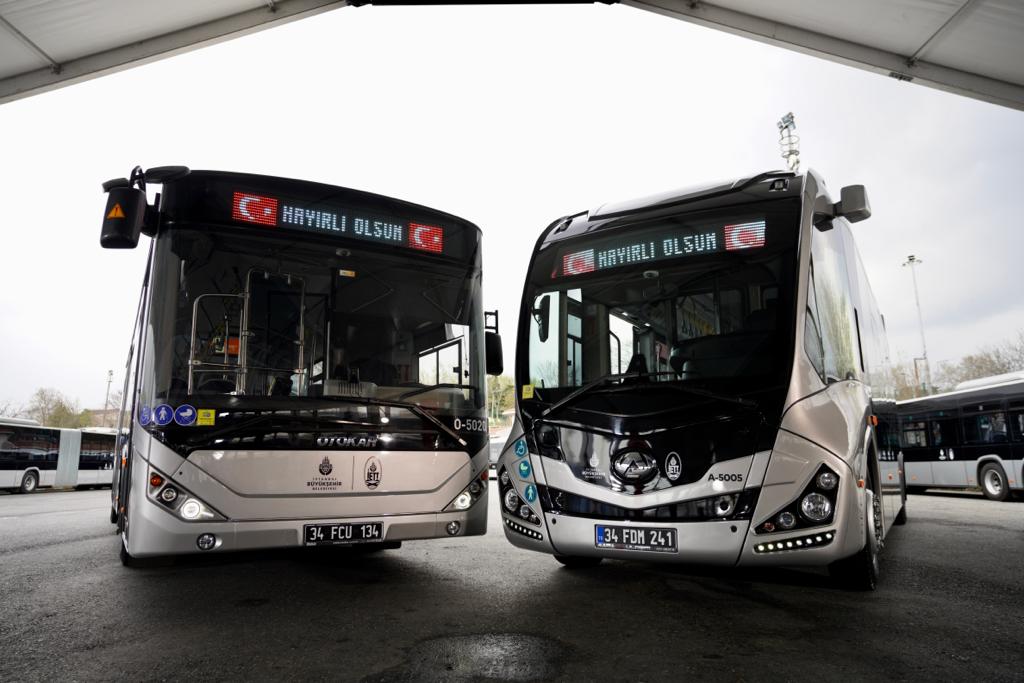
<point>123,218</point>
<point>853,204</point>
<point>495,360</point>
<point>541,313</point>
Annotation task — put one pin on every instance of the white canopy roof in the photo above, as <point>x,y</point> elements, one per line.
<point>970,47</point>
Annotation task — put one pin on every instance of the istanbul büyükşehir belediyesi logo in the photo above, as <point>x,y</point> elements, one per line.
<point>325,466</point>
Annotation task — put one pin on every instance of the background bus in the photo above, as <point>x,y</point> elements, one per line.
<point>32,456</point>
<point>970,437</point>
<point>308,367</point>
<point>703,376</point>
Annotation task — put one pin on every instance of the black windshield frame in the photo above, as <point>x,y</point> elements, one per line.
<point>445,313</point>
<point>549,274</point>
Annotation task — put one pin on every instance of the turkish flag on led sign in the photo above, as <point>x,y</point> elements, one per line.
<point>744,235</point>
<point>426,237</point>
<point>252,208</point>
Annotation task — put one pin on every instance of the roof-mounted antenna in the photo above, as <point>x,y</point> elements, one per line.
<point>789,142</point>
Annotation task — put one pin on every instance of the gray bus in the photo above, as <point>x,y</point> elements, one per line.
<point>970,437</point>
<point>33,456</point>
<point>702,376</point>
<point>307,370</point>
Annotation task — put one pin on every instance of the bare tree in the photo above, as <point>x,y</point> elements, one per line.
<point>52,408</point>
<point>10,409</point>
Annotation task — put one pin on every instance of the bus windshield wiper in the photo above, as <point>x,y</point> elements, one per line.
<point>597,384</point>
<point>411,407</point>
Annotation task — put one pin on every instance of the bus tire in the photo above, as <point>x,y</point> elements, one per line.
<point>860,571</point>
<point>29,483</point>
<point>993,481</point>
<point>113,516</point>
<point>577,562</point>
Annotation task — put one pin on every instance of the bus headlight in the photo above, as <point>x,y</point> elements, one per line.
<point>816,507</point>
<point>511,501</point>
<point>827,480</point>
<point>471,494</point>
<point>192,509</point>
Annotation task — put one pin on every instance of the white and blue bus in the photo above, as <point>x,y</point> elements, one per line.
<point>702,376</point>
<point>308,368</point>
<point>34,456</point>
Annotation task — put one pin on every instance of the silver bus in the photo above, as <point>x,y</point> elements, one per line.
<point>970,437</point>
<point>33,456</point>
<point>702,376</point>
<point>307,368</point>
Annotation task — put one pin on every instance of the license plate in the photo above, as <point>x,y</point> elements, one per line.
<point>343,534</point>
<point>635,538</point>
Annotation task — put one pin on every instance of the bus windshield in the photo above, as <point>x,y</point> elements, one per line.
<point>265,318</point>
<point>702,299</point>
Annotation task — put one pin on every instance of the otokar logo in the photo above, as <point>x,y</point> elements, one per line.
<point>347,441</point>
<point>373,472</point>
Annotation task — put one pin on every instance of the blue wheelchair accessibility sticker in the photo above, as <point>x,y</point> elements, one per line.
<point>520,448</point>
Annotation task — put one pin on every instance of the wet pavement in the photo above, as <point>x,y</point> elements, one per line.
<point>950,605</point>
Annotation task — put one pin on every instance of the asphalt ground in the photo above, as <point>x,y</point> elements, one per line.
<point>950,606</point>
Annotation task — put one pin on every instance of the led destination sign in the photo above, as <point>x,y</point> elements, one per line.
<point>663,244</point>
<point>268,211</point>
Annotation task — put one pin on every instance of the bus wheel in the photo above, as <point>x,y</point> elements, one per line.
<point>576,562</point>
<point>993,482</point>
<point>860,571</point>
<point>29,482</point>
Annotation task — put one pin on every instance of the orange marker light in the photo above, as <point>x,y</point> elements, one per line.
<point>155,480</point>
<point>860,483</point>
<point>873,420</point>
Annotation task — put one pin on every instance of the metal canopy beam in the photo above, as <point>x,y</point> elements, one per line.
<point>900,67</point>
<point>92,66</point>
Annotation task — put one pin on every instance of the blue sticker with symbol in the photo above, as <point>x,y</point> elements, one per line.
<point>185,415</point>
<point>520,448</point>
<point>530,494</point>
<point>163,414</point>
<point>145,415</point>
<point>524,469</point>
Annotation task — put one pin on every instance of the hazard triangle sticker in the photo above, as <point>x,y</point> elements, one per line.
<point>115,212</point>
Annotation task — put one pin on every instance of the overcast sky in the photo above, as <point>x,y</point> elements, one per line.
<point>509,117</point>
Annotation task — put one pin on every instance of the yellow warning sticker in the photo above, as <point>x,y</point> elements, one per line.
<point>116,212</point>
<point>527,391</point>
<point>206,417</point>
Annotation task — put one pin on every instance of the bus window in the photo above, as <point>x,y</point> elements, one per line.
<point>985,428</point>
<point>1017,423</point>
<point>914,435</point>
<point>943,432</point>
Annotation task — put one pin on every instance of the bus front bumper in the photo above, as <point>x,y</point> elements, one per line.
<point>153,531</point>
<point>723,543</point>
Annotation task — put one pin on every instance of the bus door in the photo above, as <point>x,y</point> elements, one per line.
<point>948,464</point>
<point>916,456</point>
<point>986,431</point>
<point>1016,417</point>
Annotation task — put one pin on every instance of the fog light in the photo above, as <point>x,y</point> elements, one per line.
<point>463,501</point>
<point>511,501</point>
<point>816,507</point>
<point>191,509</point>
<point>827,480</point>
<point>524,511</point>
<point>475,487</point>
<point>504,478</point>
<point>169,494</point>
<point>206,541</point>
<point>453,528</point>
<point>787,520</point>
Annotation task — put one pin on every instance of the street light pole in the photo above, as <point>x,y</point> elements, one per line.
<point>912,262</point>
<point>106,399</point>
